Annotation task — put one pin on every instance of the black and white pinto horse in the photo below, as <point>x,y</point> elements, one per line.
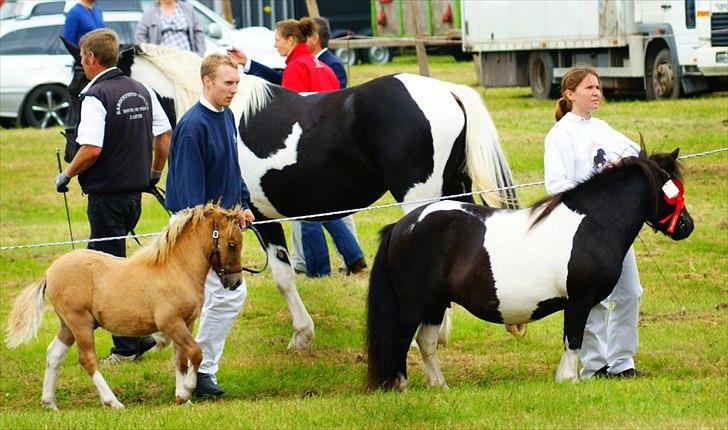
<point>514,266</point>
<point>303,154</point>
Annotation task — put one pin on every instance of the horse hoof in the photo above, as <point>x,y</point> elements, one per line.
<point>50,405</point>
<point>301,340</point>
<point>180,400</point>
<point>115,404</point>
<point>518,330</point>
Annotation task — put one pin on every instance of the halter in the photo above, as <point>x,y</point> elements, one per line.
<point>673,192</point>
<point>215,254</point>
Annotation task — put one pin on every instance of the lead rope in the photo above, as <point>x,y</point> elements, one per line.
<point>673,296</point>
<point>262,245</point>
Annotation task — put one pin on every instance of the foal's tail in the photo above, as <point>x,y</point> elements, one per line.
<point>382,310</point>
<point>26,315</point>
<point>486,165</point>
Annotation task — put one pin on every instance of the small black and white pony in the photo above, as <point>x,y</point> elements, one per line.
<point>514,266</point>
<point>303,154</point>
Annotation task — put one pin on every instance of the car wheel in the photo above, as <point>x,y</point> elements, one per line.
<point>46,106</point>
<point>664,81</point>
<point>379,55</point>
<point>347,56</point>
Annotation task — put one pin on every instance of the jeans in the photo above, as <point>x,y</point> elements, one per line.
<point>296,249</point>
<point>115,215</point>
<point>317,253</point>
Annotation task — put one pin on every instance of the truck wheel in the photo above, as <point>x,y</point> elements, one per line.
<point>46,106</point>
<point>347,56</point>
<point>379,55</point>
<point>664,80</point>
<point>541,75</point>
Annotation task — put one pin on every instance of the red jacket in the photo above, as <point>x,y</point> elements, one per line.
<point>304,72</point>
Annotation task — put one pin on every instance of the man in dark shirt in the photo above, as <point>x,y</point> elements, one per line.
<point>203,167</point>
<point>124,138</point>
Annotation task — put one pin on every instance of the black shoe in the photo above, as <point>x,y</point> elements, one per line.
<point>629,373</point>
<point>601,373</point>
<point>206,386</point>
<point>145,344</point>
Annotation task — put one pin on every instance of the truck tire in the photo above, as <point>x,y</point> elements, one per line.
<point>347,56</point>
<point>663,81</point>
<point>378,55</point>
<point>541,75</point>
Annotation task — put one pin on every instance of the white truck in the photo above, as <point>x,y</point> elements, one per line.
<point>663,48</point>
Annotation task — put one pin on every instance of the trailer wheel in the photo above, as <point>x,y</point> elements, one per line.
<point>664,80</point>
<point>347,56</point>
<point>541,75</point>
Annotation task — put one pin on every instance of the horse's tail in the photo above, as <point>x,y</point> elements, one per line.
<point>485,163</point>
<point>26,315</point>
<point>382,310</point>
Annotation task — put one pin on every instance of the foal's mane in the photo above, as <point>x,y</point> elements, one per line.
<point>650,166</point>
<point>159,250</point>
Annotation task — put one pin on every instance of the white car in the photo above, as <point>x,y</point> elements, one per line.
<point>35,67</point>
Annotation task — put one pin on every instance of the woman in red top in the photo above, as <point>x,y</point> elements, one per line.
<point>303,72</point>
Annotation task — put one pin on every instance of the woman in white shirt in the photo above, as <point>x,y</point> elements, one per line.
<point>576,147</point>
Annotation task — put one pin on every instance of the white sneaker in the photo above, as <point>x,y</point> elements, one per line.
<point>113,359</point>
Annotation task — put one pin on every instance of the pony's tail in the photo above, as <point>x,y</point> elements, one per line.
<point>26,315</point>
<point>382,310</point>
<point>485,163</point>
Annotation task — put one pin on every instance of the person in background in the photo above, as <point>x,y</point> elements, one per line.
<point>317,43</point>
<point>576,147</point>
<point>172,23</point>
<point>81,19</point>
<point>124,137</point>
<point>203,168</point>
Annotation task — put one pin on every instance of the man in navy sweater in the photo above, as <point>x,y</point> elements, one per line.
<point>203,167</point>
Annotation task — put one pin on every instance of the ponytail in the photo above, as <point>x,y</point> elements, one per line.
<point>563,106</point>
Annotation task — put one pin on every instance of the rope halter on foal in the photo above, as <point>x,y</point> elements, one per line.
<point>673,192</point>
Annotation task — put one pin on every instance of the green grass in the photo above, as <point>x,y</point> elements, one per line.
<point>496,380</point>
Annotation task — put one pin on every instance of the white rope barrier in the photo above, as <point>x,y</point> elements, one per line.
<point>328,214</point>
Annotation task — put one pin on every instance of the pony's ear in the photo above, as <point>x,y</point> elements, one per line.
<point>126,59</point>
<point>74,50</point>
<point>675,153</point>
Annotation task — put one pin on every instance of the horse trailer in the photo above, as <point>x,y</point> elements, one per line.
<point>662,48</point>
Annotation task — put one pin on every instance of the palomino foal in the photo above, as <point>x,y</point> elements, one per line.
<point>160,288</point>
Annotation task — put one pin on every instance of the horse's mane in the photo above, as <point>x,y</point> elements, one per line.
<point>252,96</point>
<point>650,166</point>
<point>158,251</point>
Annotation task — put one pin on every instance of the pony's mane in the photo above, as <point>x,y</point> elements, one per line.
<point>253,95</point>
<point>158,251</point>
<point>650,166</point>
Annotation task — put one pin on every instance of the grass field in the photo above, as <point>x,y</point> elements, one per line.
<point>496,380</point>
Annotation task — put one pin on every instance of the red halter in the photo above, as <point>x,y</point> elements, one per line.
<point>673,192</point>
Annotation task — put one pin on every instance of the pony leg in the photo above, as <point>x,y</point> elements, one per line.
<point>55,354</point>
<point>285,278</point>
<point>575,316</point>
<point>185,348</point>
<point>443,335</point>
<point>84,334</point>
<point>427,340</point>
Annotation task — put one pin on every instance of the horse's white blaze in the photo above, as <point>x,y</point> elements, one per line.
<point>253,169</point>
<point>285,278</point>
<point>107,396</point>
<point>55,354</point>
<point>144,71</point>
<point>446,123</point>
<point>529,266</point>
<point>568,365</point>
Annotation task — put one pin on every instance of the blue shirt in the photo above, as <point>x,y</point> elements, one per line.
<point>80,21</point>
<point>203,161</point>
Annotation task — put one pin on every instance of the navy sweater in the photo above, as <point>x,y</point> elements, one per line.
<point>203,161</point>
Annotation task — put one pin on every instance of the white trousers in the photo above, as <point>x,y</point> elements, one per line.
<point>219,312</point>
<point>220,309</point>
<point>298,261</point>
<point>610,335</point>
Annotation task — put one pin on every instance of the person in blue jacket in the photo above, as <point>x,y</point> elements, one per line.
<point>203,168</point>
<point>81,19</point>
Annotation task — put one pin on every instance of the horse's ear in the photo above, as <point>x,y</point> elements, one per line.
<point>126,59</point>
<point>675,153</point>
<point>74,50</point>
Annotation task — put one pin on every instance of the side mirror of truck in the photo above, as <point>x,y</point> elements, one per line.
<point>214,30</point>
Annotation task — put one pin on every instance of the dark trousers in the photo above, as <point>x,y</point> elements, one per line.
<point>116,215</point>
